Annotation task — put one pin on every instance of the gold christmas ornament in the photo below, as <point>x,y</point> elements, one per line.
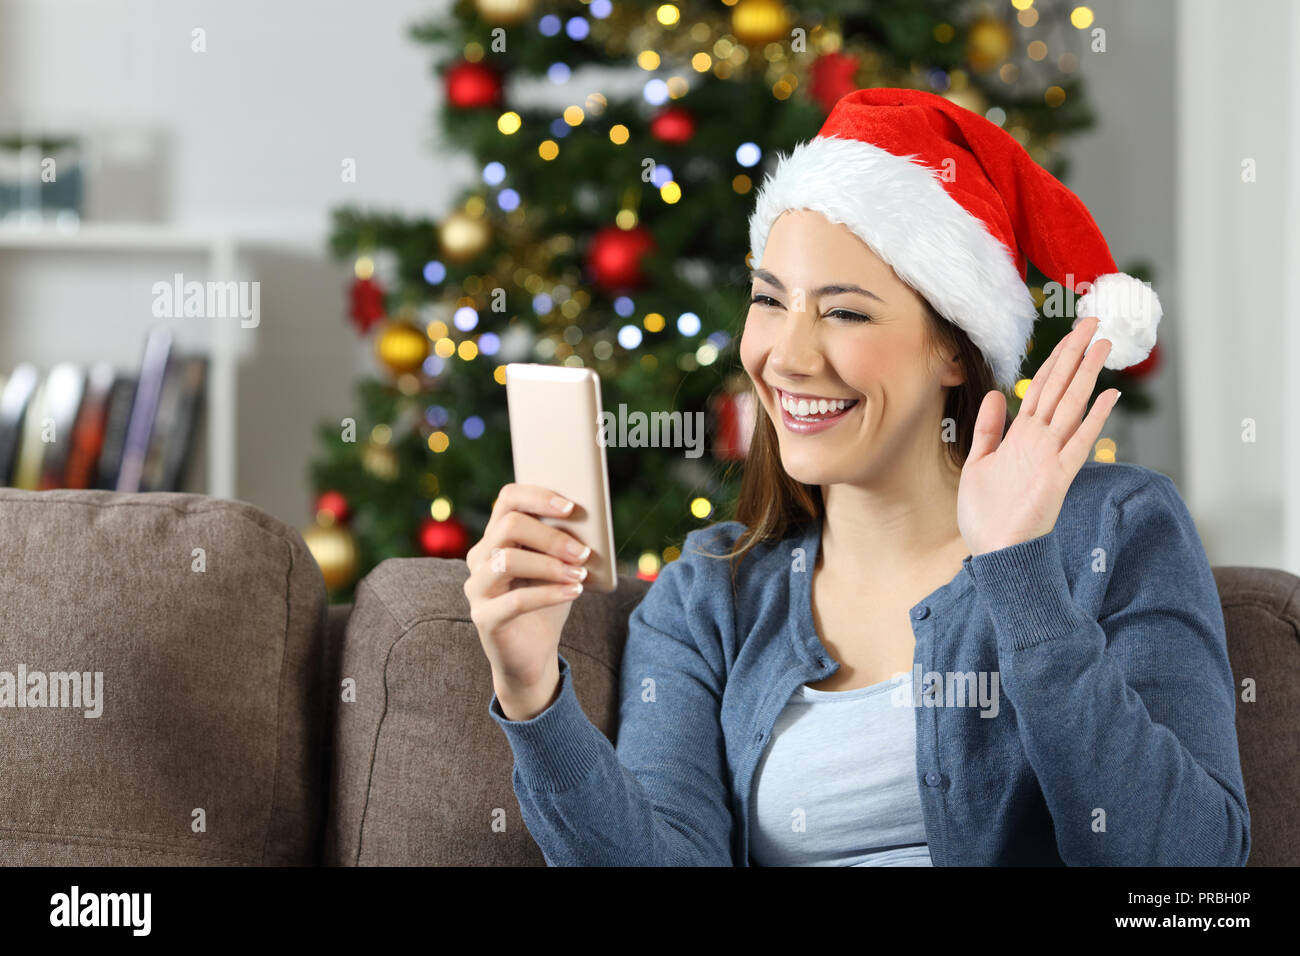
<point>755,22</point>
<point>379,461</point>
<point>401,347</point>
<point>463,236</point>
<point>504,12</point>
<point>335,551</point>
<point>989,43</point>
<point>970,98</point>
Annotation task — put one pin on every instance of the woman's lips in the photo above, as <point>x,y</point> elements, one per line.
<point>811,423</point>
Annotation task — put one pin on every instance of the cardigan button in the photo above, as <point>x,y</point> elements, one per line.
<point>932,779</point>
<point>920,613</point>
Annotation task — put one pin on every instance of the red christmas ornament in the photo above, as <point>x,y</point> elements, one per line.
<point>1145,367</point>
<point>444,539</point>
<point>333,504</point>
<point>367,304</point>
<point>831,78</point>
<point>472,85</point>
<point>733,413</point>
<point>673,125</point>
<point>614,256</point>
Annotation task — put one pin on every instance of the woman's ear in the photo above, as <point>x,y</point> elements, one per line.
<point>950,371</point>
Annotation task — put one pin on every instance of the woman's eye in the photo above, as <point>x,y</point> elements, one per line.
<point>767,300</point>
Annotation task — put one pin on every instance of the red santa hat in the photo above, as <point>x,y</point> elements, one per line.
<point>957,207</point>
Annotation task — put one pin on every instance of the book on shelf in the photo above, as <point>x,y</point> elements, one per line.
<point>99,427</point>
<point>20,385</point>
<point>144,410</point>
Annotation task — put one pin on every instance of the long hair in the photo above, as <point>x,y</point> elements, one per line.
<point>771,502</point>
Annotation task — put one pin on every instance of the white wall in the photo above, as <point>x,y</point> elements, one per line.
<point>1238,261</point>
<point>258,124</point>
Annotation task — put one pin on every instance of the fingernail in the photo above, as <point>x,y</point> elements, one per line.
<point>561,504</point>
<point>1117,395</point>
<point>579,551</point>
<point>574,589</point>
<point>577,574</point>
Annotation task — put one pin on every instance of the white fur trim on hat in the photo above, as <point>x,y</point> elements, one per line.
<point>1128,311</point>
<point>902,211</point>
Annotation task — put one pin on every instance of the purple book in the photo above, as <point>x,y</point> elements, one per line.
<point>157,350</point>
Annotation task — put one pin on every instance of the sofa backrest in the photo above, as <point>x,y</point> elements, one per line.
<point>1261,611</point>
<point>204,620</point>
<point>420,773</point>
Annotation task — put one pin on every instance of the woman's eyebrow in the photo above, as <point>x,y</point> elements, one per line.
<point>836,289</point>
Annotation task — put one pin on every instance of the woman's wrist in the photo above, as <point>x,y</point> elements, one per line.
<point>525,703</point>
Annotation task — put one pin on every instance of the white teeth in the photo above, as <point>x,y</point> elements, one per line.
<point>804,407</point>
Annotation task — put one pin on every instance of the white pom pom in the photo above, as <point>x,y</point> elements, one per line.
<point>1128,310</point>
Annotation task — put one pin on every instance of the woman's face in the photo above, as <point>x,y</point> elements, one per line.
<point>830,320</point>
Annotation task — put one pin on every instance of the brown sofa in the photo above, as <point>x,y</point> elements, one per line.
<point>244,721</point>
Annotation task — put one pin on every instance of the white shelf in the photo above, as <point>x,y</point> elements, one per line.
<point>224,345</point>
<point>109,237</point>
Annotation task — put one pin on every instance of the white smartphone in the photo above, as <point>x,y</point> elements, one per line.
<point>555,440</point>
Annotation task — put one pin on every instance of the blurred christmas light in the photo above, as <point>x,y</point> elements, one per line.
<point>465,318</point>
<point>655,92</point>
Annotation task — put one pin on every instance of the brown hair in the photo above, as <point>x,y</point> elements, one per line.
<point>771,502</point>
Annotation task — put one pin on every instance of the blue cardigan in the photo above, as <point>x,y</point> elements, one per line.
<point>1113,743</point>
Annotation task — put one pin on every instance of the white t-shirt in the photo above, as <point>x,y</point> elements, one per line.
<point>837,783</point>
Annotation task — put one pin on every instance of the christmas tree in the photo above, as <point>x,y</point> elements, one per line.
<point>612,233</point>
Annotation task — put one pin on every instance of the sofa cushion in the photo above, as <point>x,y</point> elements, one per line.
<point>205,619</point>
<point>1261,611</point>
<point>421,774</point>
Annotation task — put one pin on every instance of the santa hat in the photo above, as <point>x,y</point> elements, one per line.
<point>957,207</point>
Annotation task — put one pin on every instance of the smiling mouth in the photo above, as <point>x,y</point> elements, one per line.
<point>813,410</point>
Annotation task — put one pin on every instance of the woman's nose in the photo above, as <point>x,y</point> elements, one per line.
<point>796,351</point>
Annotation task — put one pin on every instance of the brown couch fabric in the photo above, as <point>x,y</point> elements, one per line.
<point>212,682</point>
<point>421,774</point>
<point>1261,610</point>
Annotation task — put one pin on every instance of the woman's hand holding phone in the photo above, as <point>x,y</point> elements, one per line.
<point>524,575</point>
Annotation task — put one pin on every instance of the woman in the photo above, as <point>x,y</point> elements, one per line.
<point>927,638</point>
